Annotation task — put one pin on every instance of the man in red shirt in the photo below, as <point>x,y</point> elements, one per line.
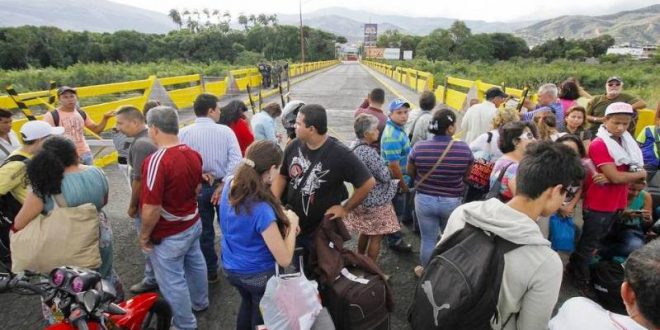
<point>171,229</point>
<point>373,105</point>
<point>619,161</point>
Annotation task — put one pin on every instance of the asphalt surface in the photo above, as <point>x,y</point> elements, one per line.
<point>340,89</point>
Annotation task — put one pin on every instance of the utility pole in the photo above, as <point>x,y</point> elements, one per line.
<point>302,38</point>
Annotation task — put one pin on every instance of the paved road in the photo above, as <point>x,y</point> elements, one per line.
<point>340,89</point>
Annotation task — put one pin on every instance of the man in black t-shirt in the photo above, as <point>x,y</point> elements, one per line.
<point>313,173</point>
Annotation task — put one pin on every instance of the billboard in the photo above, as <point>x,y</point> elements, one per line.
<point>373,52</point>
<point>370,35</point>
<point>407,55</point>
<point>392,54</point>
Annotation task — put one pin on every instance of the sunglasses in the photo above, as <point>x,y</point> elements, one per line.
<point>613,84</point>
<point>527,136</point>
<point>570,192</point>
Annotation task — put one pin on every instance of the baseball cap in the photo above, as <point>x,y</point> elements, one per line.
<point>495,92</point>
<point>65,89</point>
<point>397,104</point>
<point>619,108</point>
<point>614,78</point>
<point>37,129</point>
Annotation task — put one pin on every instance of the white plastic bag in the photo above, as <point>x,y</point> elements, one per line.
<point>291,302</point>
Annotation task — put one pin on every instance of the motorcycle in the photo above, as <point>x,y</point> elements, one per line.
<point>80,299</point>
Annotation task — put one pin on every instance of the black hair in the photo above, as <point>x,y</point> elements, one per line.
<point>203,103</point>
<point>510,134</point>
<point>248,187</point>
<point>132,113</point>
<point>232,112</point>
<point>441,121</point>
<point>315,116</point>
<point>569,90</point>
<point>427,101</point>
<point>377,95</point>
<point>547,164</point>
<point>575,139</point>
<point>148,106</point>
<point>4,113</point>
<point>46,170</point>
<point>642,272</point>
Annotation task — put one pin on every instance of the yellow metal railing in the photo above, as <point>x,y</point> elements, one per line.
<point>182,90</point>
<point>414,79</point>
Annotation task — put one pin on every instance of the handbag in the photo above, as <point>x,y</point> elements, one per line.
<point>290,301</point>
<point>562,233</point>
<point>477,179</point>
<point>67,236</point>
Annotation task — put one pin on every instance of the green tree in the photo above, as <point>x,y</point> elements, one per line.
<point>175,16</point>
<point>435,46</point>
<point>506,46</point>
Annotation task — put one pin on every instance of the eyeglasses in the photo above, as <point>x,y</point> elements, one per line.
<point>614,84</point>
<point>570,192</point>
<point>527,136</point>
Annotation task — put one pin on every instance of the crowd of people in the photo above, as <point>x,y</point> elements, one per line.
<point>404,166</point>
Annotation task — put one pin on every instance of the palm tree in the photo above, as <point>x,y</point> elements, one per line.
<point>175,16</point>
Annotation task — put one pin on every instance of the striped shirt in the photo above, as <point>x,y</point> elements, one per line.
<point>447,179</point>
<point>394,145</point>
<point>216,143</point>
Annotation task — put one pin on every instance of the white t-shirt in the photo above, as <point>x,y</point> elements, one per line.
<point>477,120</point>
<point>10,145</point>
<point>488,151</point>
<point>581,313</point>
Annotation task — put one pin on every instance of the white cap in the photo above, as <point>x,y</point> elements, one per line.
<point>619,108</point>
<point>37,129</point>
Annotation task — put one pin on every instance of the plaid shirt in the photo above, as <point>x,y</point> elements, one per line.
<point>394,145</point>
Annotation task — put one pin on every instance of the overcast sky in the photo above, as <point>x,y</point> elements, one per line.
<point>502,10</point>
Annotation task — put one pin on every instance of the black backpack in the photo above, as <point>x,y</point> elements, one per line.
<point>460,286</point>
<point>56,116</point>
<point>9,207</point>
<point>606,278</point>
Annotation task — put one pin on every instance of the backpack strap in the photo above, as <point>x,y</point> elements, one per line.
<point>4,150</point>
<point>490,137</point>
<point>14,158</point>
<point>412,129</point>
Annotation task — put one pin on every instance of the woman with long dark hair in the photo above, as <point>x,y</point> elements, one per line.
<point>233,115</point>
<point>56,170</point>
<point>256,231</point>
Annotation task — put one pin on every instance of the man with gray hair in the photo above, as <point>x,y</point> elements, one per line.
<point>548,101</point>
<point>171,229</point>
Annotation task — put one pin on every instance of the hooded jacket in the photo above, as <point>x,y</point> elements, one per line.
<point>532,273</point>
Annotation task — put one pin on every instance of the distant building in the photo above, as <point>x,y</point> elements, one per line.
<point>640,53</point>
<point>370,35</point>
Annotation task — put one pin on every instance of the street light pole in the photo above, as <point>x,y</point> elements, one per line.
<point>302,38</point>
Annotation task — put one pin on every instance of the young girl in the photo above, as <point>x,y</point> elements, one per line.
<point>546,122</point>
<point>256,231</point>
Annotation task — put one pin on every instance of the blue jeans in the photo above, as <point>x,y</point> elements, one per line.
<point>149,277</point>
<point>207,212</point>
<point>251,287</point>
<point>403,210</point>
<point>432,214</point>
<point>87,158</point>
<point>623,243</point>
<point>181,274</point>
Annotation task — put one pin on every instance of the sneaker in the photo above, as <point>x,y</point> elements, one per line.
<point>401,246</point>
<point>213,278</point>
<point>143,287</point>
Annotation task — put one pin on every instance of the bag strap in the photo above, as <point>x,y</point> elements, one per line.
<point>4,150</point>
<point>56,115</point>
<point>442,157</point>
<point>412,129</point>
<point>501,176</point>
<point>59,201</point>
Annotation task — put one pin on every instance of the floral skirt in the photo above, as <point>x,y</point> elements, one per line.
<point>377,220</point>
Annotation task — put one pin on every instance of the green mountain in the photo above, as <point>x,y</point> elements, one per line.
<point>639,26</point>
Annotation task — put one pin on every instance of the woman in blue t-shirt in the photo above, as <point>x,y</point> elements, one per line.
<point>256,230</point>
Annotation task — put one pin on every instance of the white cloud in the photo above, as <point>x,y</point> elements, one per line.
<point>503,10</point>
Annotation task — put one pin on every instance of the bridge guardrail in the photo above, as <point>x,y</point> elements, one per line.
<point>414,79</point>
<point>182,90</point>
<point>455,90</point>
